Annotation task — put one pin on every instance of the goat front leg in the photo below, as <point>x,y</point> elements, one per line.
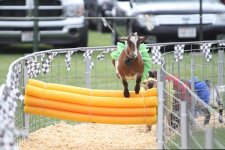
<point>137,86</point>
<point>126,91</point>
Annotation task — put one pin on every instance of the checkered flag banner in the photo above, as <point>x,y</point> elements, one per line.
<point>15,80</point>
<point>87,55</point>
<point>7,116</point>
<point>16,75</point>
<point>179,51</point>
<point>102,55</point>
<point>46,64</point>
<point>222,43</point>
<point>33,67</point>
<point>156,55</point>
<point>8,130</point>
<point>42,58</point>
<point>206,50</point>
<point>67,59</point>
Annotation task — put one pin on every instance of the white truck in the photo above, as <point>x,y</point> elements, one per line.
<point>60,22</point>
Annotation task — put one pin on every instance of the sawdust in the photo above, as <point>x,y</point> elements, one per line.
<point>90,136</point>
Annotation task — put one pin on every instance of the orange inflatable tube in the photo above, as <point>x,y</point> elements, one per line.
<point>90,92</point>
<point>88,105</point>
<point>85,109</point>
<point>90,118</point>
<point>91,100</point>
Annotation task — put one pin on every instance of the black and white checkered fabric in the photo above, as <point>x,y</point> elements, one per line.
<point>178,52</point>
<point>206,50</point>
<point>87,55</point>
<point>9,95</point>
<point>102,55</point>
<point>47,63</point>
<point>222,43</point>
<point>8,130</point>
<point>42,59</point>
<point>33,67</point>
<point>7,115</point>
<point>67,59</point>
<point>15,81</point>
<point>156,55</point>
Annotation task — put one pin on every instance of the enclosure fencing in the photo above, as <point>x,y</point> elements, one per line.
<point>184,120</point>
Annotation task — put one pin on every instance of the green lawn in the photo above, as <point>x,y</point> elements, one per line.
<point>199,139</point>
<point>5,61</point>
<point>94,39</point>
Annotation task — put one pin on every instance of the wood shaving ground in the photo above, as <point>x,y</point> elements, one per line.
<point>85,136</point>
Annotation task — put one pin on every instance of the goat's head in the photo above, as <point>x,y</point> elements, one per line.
<point>133,43</point>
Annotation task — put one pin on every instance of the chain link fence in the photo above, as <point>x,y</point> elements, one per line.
<point>182,116</point>
<point>191,97</point>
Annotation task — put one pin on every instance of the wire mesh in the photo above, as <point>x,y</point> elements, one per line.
<point>187,77</point>
<point>178,77</point>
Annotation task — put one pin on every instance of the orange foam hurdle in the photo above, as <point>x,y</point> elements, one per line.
<point>90,100</point>
<point>87,105</point>
<point>85,109</point>
<point>90,118</point>
<point>90,92</point>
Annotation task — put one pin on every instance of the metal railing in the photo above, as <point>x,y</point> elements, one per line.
<point>180,124</point>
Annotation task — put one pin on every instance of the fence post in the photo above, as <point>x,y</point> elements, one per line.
<point>184,125</point>
<point>88,73</point>
<point>220,67</point>
<point>26,116</point>
<point>193,101</point>
<point>160,125</point>
<point>209,138</point>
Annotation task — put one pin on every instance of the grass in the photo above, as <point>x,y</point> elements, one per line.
<point>199,138</point>
<point>7,57</point>
<point>5,61</point>
<point>99,39</point>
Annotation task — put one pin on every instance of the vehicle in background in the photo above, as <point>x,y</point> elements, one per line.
<point>98,8</point>
<point>169,20</point>
<point>61,22</point>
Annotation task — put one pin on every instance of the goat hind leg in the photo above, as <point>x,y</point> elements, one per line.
<point>207,116</point>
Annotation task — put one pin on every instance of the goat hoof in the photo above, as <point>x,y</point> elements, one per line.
<point>126,94</point>
<point>137,89</point>
<point>148,128</point>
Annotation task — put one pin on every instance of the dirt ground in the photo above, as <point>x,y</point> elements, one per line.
<point>85,136</point>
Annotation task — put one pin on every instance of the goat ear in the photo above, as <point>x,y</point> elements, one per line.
<point>135,34</point>
<point>123,38</point>
<point>152,74</point>
<point>142,38</point>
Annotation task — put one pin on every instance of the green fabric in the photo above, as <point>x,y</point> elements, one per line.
<point>144,53</point>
